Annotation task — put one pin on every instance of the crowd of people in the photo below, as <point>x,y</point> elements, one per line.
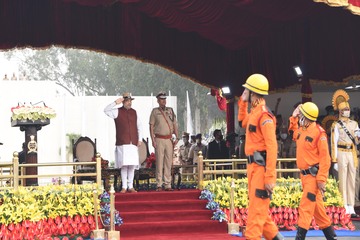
<point>317,150</point>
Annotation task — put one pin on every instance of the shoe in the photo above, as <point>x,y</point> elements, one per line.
<point>159,189</point>
<point>169,189</point>
<point>123,190</point>
<point>132,190</point>
<point>354,215</point>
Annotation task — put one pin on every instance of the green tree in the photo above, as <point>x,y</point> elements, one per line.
<point>90,73</point>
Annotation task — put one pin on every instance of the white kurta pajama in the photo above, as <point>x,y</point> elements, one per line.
<point>127,155</point>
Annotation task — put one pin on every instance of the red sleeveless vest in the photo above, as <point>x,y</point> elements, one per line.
<point>126,127</point>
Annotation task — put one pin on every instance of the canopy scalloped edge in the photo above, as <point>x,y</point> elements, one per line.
<point>352,5</point>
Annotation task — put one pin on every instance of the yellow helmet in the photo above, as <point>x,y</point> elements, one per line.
<point>257,83</point>
<point>310,110</point>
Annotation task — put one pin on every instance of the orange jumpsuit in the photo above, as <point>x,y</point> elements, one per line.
<point>312,149</point>
<point>260,127</point>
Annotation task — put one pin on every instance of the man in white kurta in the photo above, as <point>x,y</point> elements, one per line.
<point>128,139</point>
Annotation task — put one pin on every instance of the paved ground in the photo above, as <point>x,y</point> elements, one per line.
<point>356,224</point>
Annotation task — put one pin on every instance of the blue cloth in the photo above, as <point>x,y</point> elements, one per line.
<point>317,233</point>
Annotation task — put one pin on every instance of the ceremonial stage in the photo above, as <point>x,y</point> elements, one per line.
<point>181,215</point>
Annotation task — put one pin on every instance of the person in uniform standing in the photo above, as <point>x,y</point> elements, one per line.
<point>184,155</point>
<point>128,139</point>
<point>196,148</point>
<point>261,151</point>
<point>313,160</point>
<point>163,125</point>
<point>344,140</point>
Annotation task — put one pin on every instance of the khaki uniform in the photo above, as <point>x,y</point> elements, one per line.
<point>164,124</point>
<point>194,155</point>
<point>357,184</point>
<point>194,152</point>
<point>344,152</point>
<point>184,157</point>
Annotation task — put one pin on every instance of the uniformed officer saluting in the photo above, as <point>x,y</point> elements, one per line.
<point>261,150</point>
<point>313,160</point>
<point>163,125</point>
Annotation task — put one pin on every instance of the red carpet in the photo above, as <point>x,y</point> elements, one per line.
<point>177,215</point>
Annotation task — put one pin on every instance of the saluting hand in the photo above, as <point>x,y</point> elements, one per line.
<point>296,112</point>
<point>245,95</point>
<point>119,100</point>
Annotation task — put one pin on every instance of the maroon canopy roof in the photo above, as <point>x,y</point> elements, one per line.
<point>214,42</point>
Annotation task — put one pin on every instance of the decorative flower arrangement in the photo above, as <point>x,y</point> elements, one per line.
<point>32,112</point>
<point>283,206</point>
<point>47,212</point>
<point>150,160</point>
<point>218,213</point>
<point>105,211</point>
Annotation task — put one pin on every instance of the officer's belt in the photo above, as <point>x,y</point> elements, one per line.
<point>313,170</point>
<point>163,136</point>
<point>345,146</point>
<point>258,158</point>
<point>251,159</point>
<point>305,171</point>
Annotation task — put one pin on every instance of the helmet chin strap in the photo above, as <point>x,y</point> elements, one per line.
<point>255,102</point>
<point>304,122</point>
<point>255,98</point>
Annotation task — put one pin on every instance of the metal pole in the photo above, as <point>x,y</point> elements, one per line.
<point>112,207</point>
<point>98,170</point>
<point>16,170</point>
<point>233,228</point>
<point>232,201</point>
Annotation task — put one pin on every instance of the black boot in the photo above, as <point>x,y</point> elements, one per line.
<point>278,236</point>
<point>329,233</point>
<point>301,233</point>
